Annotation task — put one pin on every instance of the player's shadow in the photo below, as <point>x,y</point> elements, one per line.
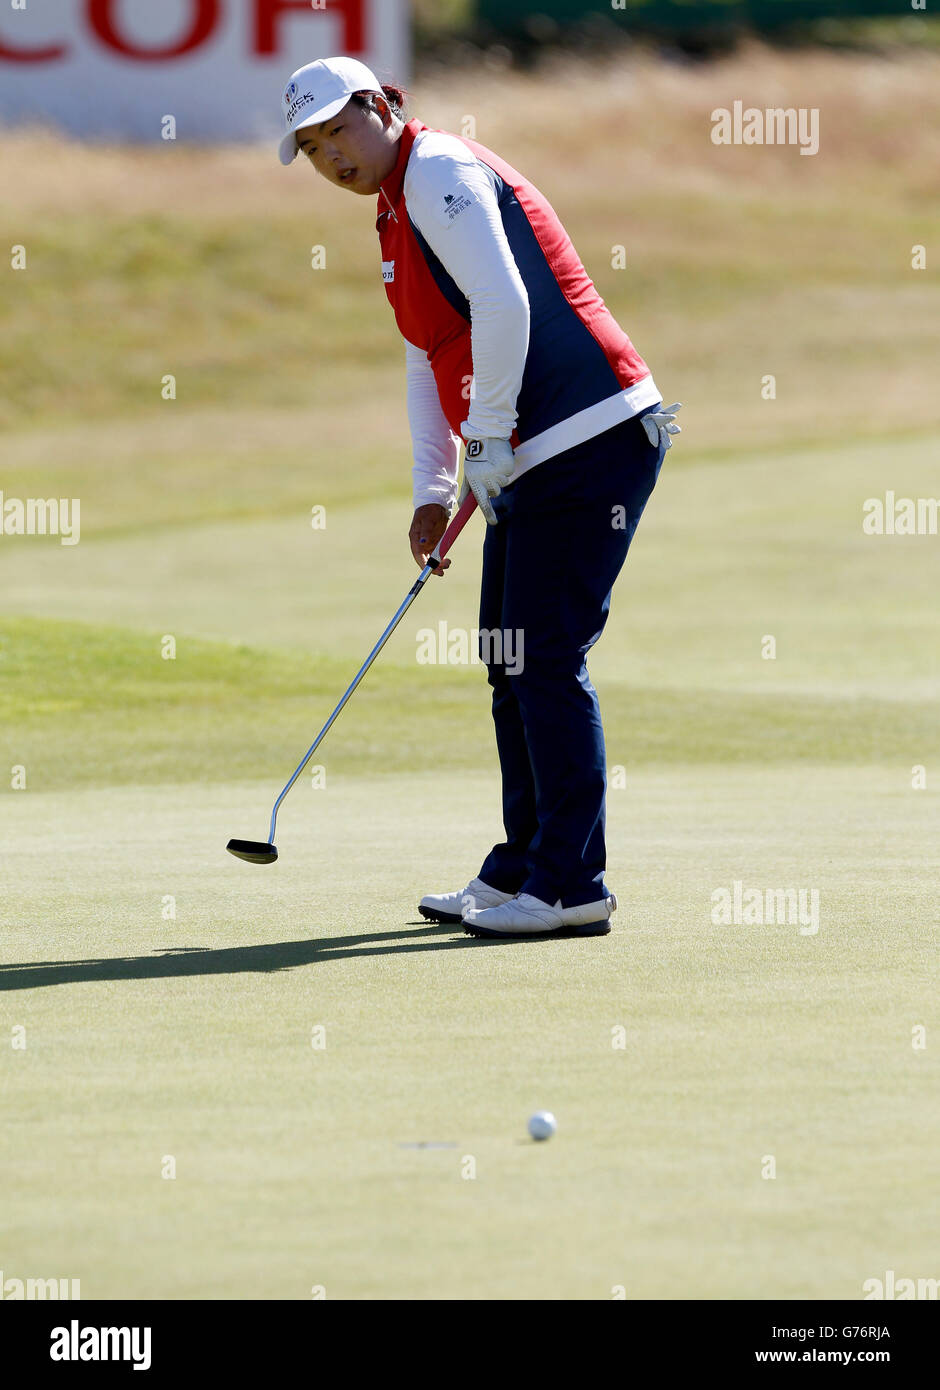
<point>176,961</point>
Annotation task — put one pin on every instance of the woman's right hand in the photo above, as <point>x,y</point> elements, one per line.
<point>428,525</point>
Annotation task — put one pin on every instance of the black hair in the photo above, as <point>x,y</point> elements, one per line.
<point>394,95</point>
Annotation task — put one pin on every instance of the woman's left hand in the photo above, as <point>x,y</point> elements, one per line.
<point>660,424</point>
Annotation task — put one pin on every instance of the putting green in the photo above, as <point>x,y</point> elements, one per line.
<point>347,1165</point>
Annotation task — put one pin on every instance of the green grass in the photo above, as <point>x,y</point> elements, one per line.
<point>89,706</point>
<point>189,1035</point>
<point>297,1167</point>
<point>271,620</point>
<point>168,992</point>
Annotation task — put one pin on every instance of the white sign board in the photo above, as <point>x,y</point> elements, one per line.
<point>114,69</point>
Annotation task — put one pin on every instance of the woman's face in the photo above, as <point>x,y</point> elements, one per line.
<point>355,149</point>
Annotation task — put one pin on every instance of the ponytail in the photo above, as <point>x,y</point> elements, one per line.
<point>394,95</point>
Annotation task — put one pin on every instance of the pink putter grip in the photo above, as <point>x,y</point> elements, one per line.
<point>464,513</point>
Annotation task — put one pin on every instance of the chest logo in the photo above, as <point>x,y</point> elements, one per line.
<point>388,272</point>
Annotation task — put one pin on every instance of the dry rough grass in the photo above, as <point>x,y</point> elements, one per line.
<point>741,261</point>
<point>641,123</point>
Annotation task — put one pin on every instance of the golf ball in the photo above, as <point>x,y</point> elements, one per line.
<point>542,1124</point>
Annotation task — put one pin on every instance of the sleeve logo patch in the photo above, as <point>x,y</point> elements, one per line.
<point>388,272</point>
<point>454,203</point>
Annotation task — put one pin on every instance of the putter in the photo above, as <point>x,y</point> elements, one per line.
<point>261,852</point>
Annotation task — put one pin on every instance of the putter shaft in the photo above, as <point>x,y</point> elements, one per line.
<point>459,521</point>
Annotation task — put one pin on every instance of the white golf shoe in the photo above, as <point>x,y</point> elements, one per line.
<point>450,907</point>
<point>524,915</point>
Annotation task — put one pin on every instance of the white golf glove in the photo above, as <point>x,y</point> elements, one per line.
<point>488,465</point>
<point>661,424</point>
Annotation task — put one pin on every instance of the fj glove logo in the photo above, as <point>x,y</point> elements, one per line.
<point>488,466</point>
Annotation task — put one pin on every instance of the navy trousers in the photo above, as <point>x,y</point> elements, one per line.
<point>548,569</point>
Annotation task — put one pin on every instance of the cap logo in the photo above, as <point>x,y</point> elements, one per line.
<point>297,105</point>
<point>291,92</point>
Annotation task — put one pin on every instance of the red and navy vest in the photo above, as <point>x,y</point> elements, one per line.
<point>578,354</point>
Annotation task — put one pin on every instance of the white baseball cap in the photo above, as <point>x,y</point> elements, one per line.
<point>318,91</point>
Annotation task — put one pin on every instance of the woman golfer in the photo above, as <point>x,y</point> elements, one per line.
<point>511,352</point>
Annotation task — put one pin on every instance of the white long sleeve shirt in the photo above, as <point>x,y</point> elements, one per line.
<point>473,248</point>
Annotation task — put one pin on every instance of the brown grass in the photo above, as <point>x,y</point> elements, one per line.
<point>576,128</point>
<point>742,261</point>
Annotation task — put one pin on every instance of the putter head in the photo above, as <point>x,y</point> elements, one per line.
<point>254,851</point>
